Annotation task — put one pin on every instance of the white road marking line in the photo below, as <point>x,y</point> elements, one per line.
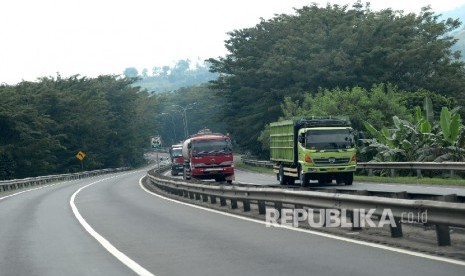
<point>369,244</point>
<point>138,269</point>
<point>18,193</point>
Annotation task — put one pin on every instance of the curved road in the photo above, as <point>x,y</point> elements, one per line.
<point>41,235</point>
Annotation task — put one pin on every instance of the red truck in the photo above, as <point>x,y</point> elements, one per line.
<point>177,161</point>
<point>208,155</point>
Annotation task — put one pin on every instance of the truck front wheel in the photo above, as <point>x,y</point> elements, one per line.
<point>349,178</point>
<point>281,176</point>
<point>304,179</point>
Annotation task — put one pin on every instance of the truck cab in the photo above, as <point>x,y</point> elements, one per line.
<point>208,155</point>
<point>321,149</point>
<point>326,154</point>
<point>177,160</point>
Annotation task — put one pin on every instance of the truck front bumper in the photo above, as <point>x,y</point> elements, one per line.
<point>328,169</point>
<point>212,172</point>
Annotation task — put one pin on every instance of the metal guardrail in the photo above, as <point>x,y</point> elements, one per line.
<point>258,163</point>
<point>393,166</point>
<point>440,214</point>
<point>8,185</point>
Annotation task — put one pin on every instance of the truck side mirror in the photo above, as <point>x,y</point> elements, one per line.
<point>302,138</point>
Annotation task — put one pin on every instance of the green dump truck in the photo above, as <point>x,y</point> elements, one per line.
<point>321,149</point>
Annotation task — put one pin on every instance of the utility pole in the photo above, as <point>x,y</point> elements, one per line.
<point>184,112</point>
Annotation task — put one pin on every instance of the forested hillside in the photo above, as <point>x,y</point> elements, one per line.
<point>167,78</point>
<point>44,124</point>
<point>328,48</point>
<point>202,108</point>
<point>376,67</point>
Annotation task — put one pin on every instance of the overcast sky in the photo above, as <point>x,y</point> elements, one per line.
<point>94,37</point>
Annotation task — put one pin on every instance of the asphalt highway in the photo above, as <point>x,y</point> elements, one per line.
<point>110,225</point>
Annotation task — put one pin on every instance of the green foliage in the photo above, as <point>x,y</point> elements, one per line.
<point>44,124</point>
<point>423,122</point>
<point>428,107</point>
<point>181,75</point>
<point>450,125</point>
<point>414,99</point>
<point>131,72</point>
<point>424,140</point>
<point>203,114</point>
<point>376,106</point>
<point>381,136</point>
<point>321,49</point>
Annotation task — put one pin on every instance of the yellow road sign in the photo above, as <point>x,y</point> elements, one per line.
<point>80,155</point>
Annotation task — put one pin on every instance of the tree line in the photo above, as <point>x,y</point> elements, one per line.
<point>171,78</point>
<point>331,49</point>
<point>44,124</point>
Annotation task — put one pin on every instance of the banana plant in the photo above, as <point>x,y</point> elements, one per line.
<point>424,140</point>
<point>382,136</point>
<point>450,123</point>
<point>424,125</point>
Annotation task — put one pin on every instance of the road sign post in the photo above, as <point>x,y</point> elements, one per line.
<point>81,155</point>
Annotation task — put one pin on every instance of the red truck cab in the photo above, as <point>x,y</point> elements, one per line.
<point>208,155</point>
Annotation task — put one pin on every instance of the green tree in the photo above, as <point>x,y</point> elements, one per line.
<point>330,47</point>
<point>45,123</point>
<point>377,105</point>
<point>203,114</point>
<point>131,72</point>
<point>424,140</point>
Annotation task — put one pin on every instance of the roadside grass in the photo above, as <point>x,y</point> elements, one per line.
<point>241,165</point>
<point>455,181</point>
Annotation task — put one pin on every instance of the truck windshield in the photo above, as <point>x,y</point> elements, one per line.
<point>176,152</point>
<point>211,147</point>
<point>329,139</point>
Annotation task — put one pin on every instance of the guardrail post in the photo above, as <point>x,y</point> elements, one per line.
<point>443,231</point>
<point>370,172</point>
<point>419,175</point>
<point>197,196</point>
<point>185,193</point>
<point>261,207</point>
<point>278,206</point>
<point>355,220</point>
<point>396,231</point>
<point>393,173</point>
<point>222,201</point>
<point>298,207</point>
<point>443,235</point>
<point>246,204</point>
<point>191,195</point>
<point>213,199</point>
<point>233,204</point>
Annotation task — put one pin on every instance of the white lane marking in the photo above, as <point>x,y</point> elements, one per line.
<point>369,244</point>
<point>33,189</point>
<point>18,193</point>
<point>138,269</point>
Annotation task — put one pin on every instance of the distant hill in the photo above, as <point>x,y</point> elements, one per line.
<point>456,13</point>
<point>168,79</point>
<point>460,33</point>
